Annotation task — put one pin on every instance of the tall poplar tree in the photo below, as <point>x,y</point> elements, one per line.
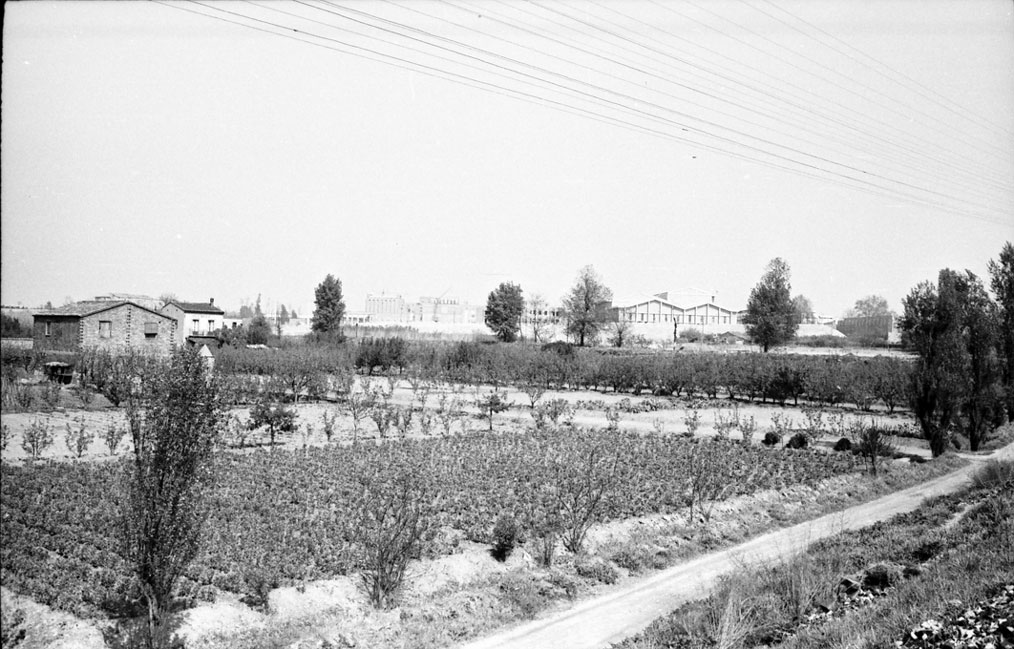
<point>174,426</point>
<point>330,306</point>
<point>1001,274</point>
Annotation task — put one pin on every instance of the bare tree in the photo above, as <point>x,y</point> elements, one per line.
<point>541,321</point>
<point>587,306</point>
<point>620,332</point>
<point>585,486</point>
<point>392,514</point>
<point>707,480</point>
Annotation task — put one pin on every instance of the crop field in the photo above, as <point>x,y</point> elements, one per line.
<point>283,517</point>
<point>473,439</point>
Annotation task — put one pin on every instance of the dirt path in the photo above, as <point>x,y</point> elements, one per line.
<point>601,621</point>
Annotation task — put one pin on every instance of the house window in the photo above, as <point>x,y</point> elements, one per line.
<point>211,326</point>
<point>105,328</point>
<point>49,329</point>
<point>150,330</point>
<point>197,326</point>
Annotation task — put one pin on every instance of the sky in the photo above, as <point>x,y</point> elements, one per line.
<point>439,148</point>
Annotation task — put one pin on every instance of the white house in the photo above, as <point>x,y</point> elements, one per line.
<point>198,319</point>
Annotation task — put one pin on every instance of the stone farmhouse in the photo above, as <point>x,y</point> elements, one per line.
<point>112,325</point>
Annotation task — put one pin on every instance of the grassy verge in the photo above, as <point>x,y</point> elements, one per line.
<point>865,589</point>
<point>679,541</point>
<point>463,613</point>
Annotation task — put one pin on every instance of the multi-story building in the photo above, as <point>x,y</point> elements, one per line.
<point>387,308</point>
<point>446,310</point>
<point>195,319</point>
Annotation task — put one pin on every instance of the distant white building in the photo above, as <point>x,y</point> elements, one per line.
<point>447,310</point>
<point>388,308</point>
<point>657,318</point>
<point>393,309</point>
<point>808,330</point>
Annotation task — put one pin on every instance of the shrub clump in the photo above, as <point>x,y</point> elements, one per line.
<point>596,568</point>
<point>506,535</point>
<point>843,444</point>
<point>771,438</point>
<point>798,441</point>
<point>523,594</point>
<point>882,575</point>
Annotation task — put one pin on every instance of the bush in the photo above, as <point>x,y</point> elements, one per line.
<point>872,442</point>
<point>882,575</point>
<point>636,556</point>
<point>562,348</point>
<point>771,438</point>
<point>506,534</point>
<point>11,630</point>
<point>384,353</point>
<point>798,441</point>
<point>690,335</point>
<point>259,582</point>
<point>522,593</point>
<point>596,568</point>
<point>843,444</point>
<point>561,581</point>
<point>37,438</point>
<point>78,438</point>
<point>994,474</point>
<point>747,427</point>
<point>555,411</point>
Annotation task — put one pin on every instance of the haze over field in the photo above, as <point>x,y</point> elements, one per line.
<point>190,148</point>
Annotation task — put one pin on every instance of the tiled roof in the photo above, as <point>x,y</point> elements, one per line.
<point>81,308</point>
<point>198,307</point>
<point>89,307</point>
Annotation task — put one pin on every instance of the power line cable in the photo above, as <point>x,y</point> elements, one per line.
<point>740,133</point>
<point>964,158</point>
<point>920,89</point>
<point>568,78</point>
<point>818,64</point>
<point>400,62</point>
<point>945,156</point>
<point>957,169</point>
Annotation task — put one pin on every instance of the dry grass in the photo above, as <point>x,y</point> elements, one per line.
<point>765,606</point>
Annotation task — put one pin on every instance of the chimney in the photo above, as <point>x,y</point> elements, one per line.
<point>212,302</point>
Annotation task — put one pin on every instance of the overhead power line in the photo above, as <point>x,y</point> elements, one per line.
<point>588,99</point>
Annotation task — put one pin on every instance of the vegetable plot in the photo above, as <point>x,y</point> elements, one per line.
<point>285,517</point>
